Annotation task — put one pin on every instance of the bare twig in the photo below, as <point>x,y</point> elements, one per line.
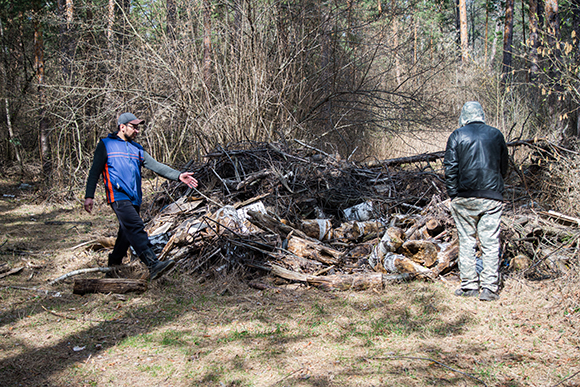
<point>43,291</point>
<point>568,378</point>
<point>11,272</point>
<point>82,271</point>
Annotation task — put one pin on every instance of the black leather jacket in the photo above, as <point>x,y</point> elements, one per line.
<point>476,161</point>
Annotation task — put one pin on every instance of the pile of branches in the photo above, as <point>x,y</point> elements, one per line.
<point>303,215</point>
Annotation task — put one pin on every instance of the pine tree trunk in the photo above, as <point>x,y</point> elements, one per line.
<point>463,31</point>
<point>66,13</point>
<point>171,18</point>
<point>12,138</point>
<point>534,40</point>
<point>43,123</point>
<point>110,24</point>
<point>508,40</point>
<point>207,50</point>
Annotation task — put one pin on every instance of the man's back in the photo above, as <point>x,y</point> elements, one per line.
<point>476,161</point>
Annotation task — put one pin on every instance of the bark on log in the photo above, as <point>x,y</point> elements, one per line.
<point>434,227</point>
<point>402,264</point>
<point>340,281</point>
<point>289,274</point>
<point>312,250</point>
<point>355,230</point>
<point>421,251</point>
<point>411,159</point>
<point>446,258</point>
<point>108,285</point>
<point>299,264</point>
<point>320,229</point>
<point>389,243</point>
<point>348,281</point>
<point>362,250</point>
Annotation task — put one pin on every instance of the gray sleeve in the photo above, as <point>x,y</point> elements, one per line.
<point>159,168</point>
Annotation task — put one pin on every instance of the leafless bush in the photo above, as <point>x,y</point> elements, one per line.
<point>315,73</point>
<point>558,177</point>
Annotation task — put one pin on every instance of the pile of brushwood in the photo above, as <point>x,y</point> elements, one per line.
<point>275,214</point>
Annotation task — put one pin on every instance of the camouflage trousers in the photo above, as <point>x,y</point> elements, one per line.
<point>478,217</point>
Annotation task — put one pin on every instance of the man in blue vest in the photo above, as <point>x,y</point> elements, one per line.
<point>119,160</point>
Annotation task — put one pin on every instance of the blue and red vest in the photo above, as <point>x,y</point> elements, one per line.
<point>122,173</point>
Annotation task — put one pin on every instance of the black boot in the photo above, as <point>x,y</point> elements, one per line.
<point>156,267</point>
<point>113,263</point>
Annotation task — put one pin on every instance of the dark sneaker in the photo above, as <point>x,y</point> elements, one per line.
<point>467,293</point>
<point>113,273</point>
<point>160,268</point>
<point>488,295</point>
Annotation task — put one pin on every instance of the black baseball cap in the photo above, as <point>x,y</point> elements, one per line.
<point>129,118</point>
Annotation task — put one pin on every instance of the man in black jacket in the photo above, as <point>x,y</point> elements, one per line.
<point>119,159</point>
<point>476,161</point>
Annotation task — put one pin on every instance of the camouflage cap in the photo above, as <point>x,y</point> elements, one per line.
<point>471,112</point>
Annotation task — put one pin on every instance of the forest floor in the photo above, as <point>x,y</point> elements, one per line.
<point>184,332</point>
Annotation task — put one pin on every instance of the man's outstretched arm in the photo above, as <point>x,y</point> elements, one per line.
<point>167,172</point>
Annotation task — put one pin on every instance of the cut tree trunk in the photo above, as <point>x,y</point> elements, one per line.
<point>348,281</point>
<point>340,281</point>
<point>446,258</point>
<point>312,250</point>
<point>421,251</point>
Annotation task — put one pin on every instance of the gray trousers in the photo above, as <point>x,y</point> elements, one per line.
<point>478,217</point>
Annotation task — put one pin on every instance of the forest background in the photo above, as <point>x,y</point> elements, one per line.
<point>362,80</point>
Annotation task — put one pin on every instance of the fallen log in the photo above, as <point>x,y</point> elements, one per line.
<point>421,251</point>
<point>289,274</point>
<point>312,250</point>
<point>348,281</point>
<point>108,285</point>
<point>397,263</point>
<point>446,258</point>
<point>320,229</point>
<point>427,157</point>
<point>389,243</point>
<point>300,263</point>
<point>340,281</point>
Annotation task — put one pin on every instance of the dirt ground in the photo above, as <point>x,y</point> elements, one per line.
<point>186,332</point>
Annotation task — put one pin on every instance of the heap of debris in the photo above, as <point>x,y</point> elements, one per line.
<point>307,216</point>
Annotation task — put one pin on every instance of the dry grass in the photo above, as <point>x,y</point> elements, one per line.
<point>185,333</point>
<point>410,144</point>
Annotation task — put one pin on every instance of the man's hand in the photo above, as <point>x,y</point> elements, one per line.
<point>186,178</point>
<point>89,205</point>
